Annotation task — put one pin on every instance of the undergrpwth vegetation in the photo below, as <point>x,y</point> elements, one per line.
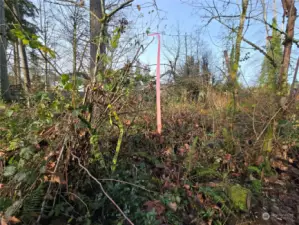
<point>206,167</point>
<point>81,147</point>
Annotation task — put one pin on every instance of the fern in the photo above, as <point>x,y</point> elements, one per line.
<point>32,202</point>
<point>4,203</point>
<point>190,157</point>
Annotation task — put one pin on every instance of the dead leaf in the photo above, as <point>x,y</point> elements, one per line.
<point>82,133</point>
<point>167,152</point>
<point>168,185</point>
<point>180,122</point>
<point>146,119</point>
<point>173,206</point>
<point>227,157</point>
<point>212,184</point>
<point>51,165</point>
<point>279,165</point>
<point>14,220</point>
<point>3,221</point>
<point>57,178</point>
<point>139,98</point>
<point>156,204</point>
<point>189,193</point>
<point>236,174</point>
<point>182,151</point>
<point>187,147</point>
<point>127,122</point>
<point>259,160</point>
<point>47,131</point>
<point>285,147</point>
<point>138,7</point>
<point>271,179</point>
<point>187,186</point>
<point>200,198</point>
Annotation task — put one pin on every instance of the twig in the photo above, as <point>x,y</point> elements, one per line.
<point>50,185</point>
<point>123,5</point>
<point>294,81</point>
<point>88,214</point>
<point>256,47</point>
<point>253,122</point>
<point>125,182</point>
<point>103,190</point>
<point>263,131</point>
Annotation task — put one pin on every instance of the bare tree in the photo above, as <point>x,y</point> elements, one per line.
<point>172,54</point>
<point>99,21</point>
<point>73,24</point>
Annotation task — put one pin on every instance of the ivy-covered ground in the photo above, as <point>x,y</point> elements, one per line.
<point>77,161</point>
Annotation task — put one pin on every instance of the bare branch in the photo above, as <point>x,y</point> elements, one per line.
<point>122,6</point>
<point>102,189</point>
<point>272,61</point>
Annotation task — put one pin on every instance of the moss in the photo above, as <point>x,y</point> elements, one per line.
<point>239,196</point>
<point>256,186</point>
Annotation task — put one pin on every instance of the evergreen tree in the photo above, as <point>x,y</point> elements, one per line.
<point>26,10</point>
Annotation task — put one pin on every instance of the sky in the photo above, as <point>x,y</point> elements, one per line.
<point>174,13</point>
<point>189,19</point>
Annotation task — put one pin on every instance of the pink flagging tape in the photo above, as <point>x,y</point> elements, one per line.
<point>158,92</point>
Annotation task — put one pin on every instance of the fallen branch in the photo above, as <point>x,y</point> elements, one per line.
<point>125,182</point>
<point>267,125</point>
<point>103,190</point>
<point>50,185</point>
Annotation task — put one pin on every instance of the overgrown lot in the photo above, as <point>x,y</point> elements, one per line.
<point>209,166</point>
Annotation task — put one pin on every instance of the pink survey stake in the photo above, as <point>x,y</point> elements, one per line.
<point>158,96</point>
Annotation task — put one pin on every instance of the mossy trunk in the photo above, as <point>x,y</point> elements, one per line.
<point>291,12</point>
<point>237,48</point>
<point>97,27</point>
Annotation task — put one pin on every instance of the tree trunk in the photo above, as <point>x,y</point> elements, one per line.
<point>97,37</point>
<point>15,65</point>
<point>18,61</point>
<point>24,66</point>
<point>75,49</point>
<point>235,65</point>
<point>45,31</point>
<point>46,73</point>
<point>22,53</point>
<point>227,61</point>
<point>234,69</point>
<point>5,93</point>
<point>291,12</point>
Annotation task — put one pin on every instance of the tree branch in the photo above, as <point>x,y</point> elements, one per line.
<point>125,4</point>
<point>248,42</point>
